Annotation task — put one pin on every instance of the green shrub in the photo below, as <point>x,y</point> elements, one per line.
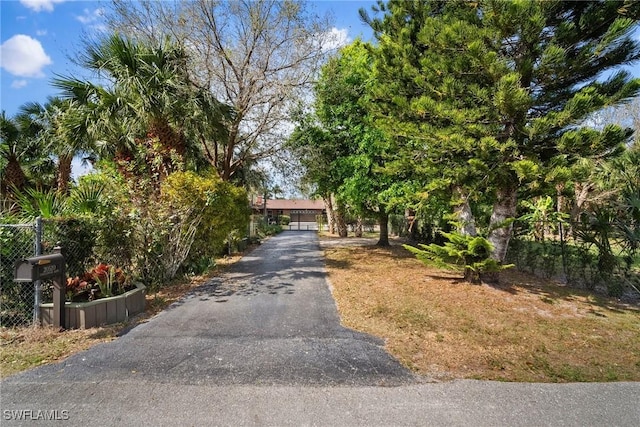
<point>469,254</point>
<point>76,236</point>
<point>220,208</point>
<point>268,229</point>
<point>284,220</point>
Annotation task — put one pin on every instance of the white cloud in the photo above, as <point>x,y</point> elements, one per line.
<point>39,5</point>
<point>93,20</point>
<point>18,84</point>
<point>334,39</point>
<point>41,33</point>
<point>23,56</point>
<point>90,17</point>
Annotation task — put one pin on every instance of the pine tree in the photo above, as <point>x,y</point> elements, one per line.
<point>490,96</point>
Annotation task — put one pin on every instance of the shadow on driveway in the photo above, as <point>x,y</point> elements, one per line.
<point>269,320</point>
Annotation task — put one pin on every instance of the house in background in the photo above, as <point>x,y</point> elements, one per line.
<point>302,212</point>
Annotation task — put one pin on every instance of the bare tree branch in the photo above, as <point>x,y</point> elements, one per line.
<point>257,56</point>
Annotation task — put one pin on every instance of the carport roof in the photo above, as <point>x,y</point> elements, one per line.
<point>287,204</point>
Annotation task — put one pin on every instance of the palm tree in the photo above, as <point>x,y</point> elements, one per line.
<point>24,161</point>
<point>11,148</point>
<point>150,106</point>
<point>53,125</point>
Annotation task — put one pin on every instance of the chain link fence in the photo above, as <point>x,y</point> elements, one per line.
<point>17,300</point>
<point>592,254</point>
<point>151,252</point>
<point>79,240</point>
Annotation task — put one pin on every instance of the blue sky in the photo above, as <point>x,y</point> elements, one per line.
<point>40,36</point>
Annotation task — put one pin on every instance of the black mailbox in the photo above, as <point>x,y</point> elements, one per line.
<point>39,268</point>
<point>46,267</point>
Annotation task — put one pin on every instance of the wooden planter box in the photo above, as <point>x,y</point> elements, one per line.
<point>104,311</point>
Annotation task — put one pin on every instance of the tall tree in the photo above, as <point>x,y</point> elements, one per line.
<point>149,107</point>
<point>48,125</point>
<point>12,147</point>
<point>344,152</point>
<point>257,56</point>
<point>25,159</point>
<point>494,91</point>
<point>315,150</point>
<point>342,95</point>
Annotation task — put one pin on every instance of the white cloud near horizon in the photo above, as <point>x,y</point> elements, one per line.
<point>18,84</point>
<point>40,5</point>
<point>23,56</point>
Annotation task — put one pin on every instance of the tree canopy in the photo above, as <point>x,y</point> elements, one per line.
<point>489,96</point>
<point>257,57</point>
<point>343,151</point>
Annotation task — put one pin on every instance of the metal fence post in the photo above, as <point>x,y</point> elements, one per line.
<point>37,284</point>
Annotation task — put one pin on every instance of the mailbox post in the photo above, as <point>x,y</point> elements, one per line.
<point>46,267</point>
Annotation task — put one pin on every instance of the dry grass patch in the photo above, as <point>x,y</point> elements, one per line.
<point>28,347</point>
<point>524,330</point>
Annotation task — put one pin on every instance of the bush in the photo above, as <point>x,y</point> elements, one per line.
<point>218,208</point>
<point>77,236</point>
<point>582,264</point>
<point>284,220</point>
<point>469,254</point>
<point>266,229</point>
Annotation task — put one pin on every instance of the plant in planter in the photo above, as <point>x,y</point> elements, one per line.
<point>100,296</point>
<point>103,281</point>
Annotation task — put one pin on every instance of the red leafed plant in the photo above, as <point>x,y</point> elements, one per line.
<point>101,281</point>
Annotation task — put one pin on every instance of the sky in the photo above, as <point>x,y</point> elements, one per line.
<point>40,37</point>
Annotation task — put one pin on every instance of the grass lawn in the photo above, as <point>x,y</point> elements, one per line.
<point>28,347</point>
<point>525,329</point>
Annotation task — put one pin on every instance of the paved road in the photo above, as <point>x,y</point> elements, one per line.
<point>263,346</point>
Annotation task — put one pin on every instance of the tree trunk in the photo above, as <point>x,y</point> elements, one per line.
<point>503,209</point>
<point>338,215</point>
<point>463,212</point>
<point>341,225</point>
<point>171,149</point>
<point>264,208</point>
<point>358,229</point>
<point>330,216</point>
<point>412,224</point>
<point>64,173</point>
<point>13,176</point>
<point>383,216</point>
<point>228,167</point>
<point>560,199</point>
<point>581,191</point>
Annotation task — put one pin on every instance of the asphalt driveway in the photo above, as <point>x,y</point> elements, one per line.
<point>263,345</point>
<point>270,320</point>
